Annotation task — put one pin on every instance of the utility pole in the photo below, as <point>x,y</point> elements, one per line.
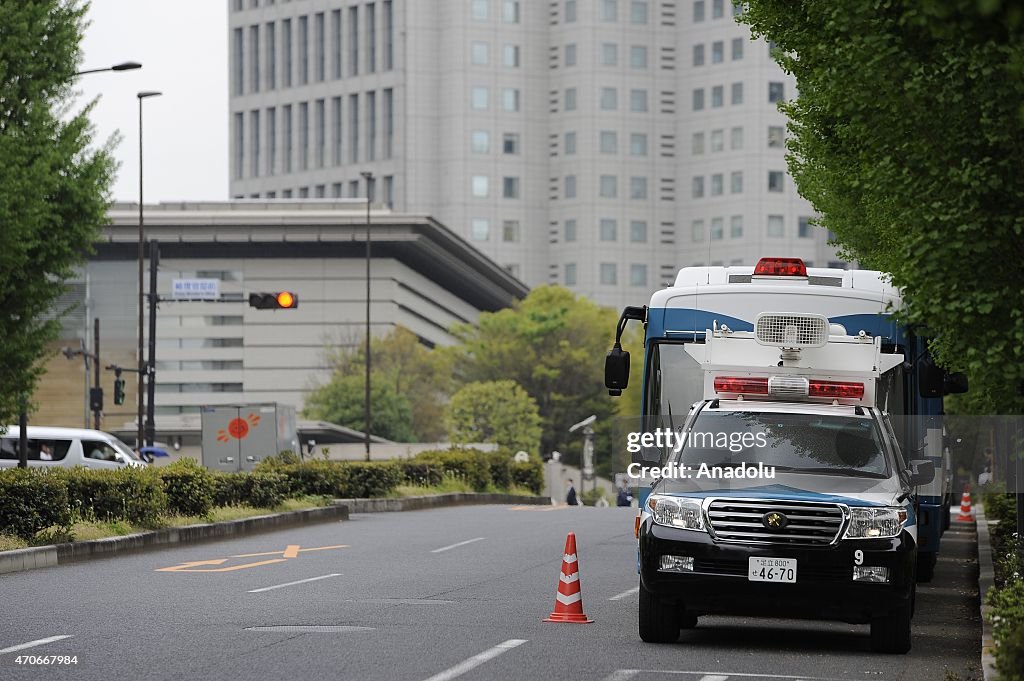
<point>154,264</point>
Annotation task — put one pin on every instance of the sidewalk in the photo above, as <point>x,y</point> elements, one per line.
<point>986,577</point>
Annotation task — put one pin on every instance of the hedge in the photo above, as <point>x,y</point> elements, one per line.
<point>132,494</point>
<point>32,501</point>
<point>189,488</point>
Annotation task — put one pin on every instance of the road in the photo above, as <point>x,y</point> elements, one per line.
<point>439,595</point>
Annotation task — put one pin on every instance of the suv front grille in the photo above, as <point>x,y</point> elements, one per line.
<point>806,523</point>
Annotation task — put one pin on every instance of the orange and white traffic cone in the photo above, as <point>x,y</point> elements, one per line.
<point>569,597</point>
<point>965,505</point>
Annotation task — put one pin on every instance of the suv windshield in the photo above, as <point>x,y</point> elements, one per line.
<point>813,443</point>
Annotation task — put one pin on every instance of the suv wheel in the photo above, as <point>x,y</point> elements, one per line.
<point>659,621</point>
<point>926,567</point>
<point>891,634</point>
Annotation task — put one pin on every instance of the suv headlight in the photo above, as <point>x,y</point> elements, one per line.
<point>875,523</point>
<point>676,512</point>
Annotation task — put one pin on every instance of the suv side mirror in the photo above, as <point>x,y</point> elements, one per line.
<point>923,472</point>
<point>932,380</point>
<point>616,370</point>
<point>955,383</point>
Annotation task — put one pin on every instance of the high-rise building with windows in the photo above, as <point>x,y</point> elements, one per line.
<point>599,144</point>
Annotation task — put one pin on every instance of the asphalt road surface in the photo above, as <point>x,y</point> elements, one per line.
<point>445,594</point>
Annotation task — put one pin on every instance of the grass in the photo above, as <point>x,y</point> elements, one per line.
<point>9,543</point>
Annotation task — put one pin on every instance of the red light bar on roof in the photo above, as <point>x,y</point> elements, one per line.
<point>835,389</point>
<point>780,267</point>
<point>742,385</point>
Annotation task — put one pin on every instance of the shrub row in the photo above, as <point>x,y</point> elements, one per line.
<point>1007,599</point>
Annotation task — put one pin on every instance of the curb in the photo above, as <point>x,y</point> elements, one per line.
<point>986,580</point>
<point>36,557</point>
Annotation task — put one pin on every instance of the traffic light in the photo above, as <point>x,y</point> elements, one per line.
<point>282,300</point>
<point>95,399</point>
<point>118,391</point>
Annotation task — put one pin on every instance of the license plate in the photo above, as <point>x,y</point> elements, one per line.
<point>772,570</point>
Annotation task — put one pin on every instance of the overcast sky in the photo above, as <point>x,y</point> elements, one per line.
<point>182,46</point>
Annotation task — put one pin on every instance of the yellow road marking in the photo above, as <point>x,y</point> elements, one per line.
<point>184,567</point>
<point>292,551</point>
<point>278,553</point>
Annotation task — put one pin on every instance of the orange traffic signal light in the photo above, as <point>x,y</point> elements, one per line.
<point>282,300</point>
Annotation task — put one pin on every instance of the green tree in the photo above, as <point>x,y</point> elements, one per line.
<point>907,138</point>
<point>53,187</point>
<point>494,411</point>
<point>342,401</point>
<point>552,343</point>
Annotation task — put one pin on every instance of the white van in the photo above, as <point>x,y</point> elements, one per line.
<point>66,448</point>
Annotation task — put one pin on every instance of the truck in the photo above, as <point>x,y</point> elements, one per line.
<point>237,437</point>
<point>841,385</point>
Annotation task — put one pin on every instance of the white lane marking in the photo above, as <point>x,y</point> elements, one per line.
<point>621,675</point>
<point>625,594</point>
<point>461,543</point>
<point>301,581</point>
<point>729,675</point>
<point>32,644</point>
<point>714,677</point>
<point>477,660</point>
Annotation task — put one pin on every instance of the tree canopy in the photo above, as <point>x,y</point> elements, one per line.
<point>494,411</point>
<point>53,186</point>
<point>907,137</point>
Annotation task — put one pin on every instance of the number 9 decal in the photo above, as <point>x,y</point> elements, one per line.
<point>858,557</point>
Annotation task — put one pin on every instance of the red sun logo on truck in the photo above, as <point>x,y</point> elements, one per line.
<point>238,428</point>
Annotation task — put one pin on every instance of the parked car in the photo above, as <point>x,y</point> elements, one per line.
<point>68,447</point>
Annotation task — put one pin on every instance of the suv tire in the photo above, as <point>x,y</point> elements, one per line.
<point>659,620</point>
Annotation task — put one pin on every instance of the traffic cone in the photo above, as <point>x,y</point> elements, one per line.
<point>569,598</point>
<point>965,505</point>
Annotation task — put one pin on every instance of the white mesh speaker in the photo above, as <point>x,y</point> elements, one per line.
<point>791,330</point>
<point>788,386</point>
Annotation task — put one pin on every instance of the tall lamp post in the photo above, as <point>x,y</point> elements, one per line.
<point>142,365</point>
<point>123,66</point>
<point>367,406</point>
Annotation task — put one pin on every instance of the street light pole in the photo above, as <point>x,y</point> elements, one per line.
<point>367,404</point>
<point>123,66</point>
<point>142,365</point>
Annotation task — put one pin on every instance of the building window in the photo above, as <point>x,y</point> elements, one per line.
<point>510,187</point>
<point>717,52</point>
<point>737,8</point>
<point>319,191</point>
<point>570,230</point>
<point>336,71</point>
<point>638,231</point>
<point>717,140</point>
<point>638,100</point>
<point>319,133</point>
<point>510,231</point>
<point>389,191</point>
<point>736,138</point>
<point>776,92</point>
<point>570,11</point>
<point>303,192</point>
<point>698,11</point>
<point>609,186</point>
<point>389,122</point>
<point>353,128</point>
<point>717,9</point>
<point>289,141</point>
<point>736,227</point>
<point>697,146</point>
<point>319,60</point>
<point>481,10</point>
<point>510,11</point>
<point>303,50</point>
<point>239,145</point>
<point>389,36</point>
<point>716,184</point>
<point>776,137</point>
<point>608,229</point>
<point>254,133</point>
<point>239,74</point>
<point>638,275</point>
<point>638,11</point>
<point>570,54</point>
<point>353,41</point>
<point>737,48</point>
<point>371,38</point>
<point>479,96</point>
<point>480,54</point>
<point>698,55</point>
<point>570,143</point>
<point>480,229</point>
<point>776,226</point>
<point>697,230</point>
<point>717,229</point>
<point>570,274</point>
<point>371,126</point>
<point>336,132</point>
<point>698,99</point>
<point>638,187</point>
<point>254,58</point>
<point>609,54</point>
<point>271,140</point>
<point>511,56</point>
<point>638,57</point>
<point>609,142</point>
<point>336,190</point>
<point>510,143</point>
<point>609,10</point>
<point>270,31</point>
<point>638,144</point>
<point>304,136</point>
<point>717,96</point>
<point>570,186</point>
<point>570,99</point>
<point>286,52</point>
<point>775,180</point>
<point>481,186</point>
<point>698,187</point>
<point>609,99</point>
<point>804,230</point>
<point>737,93</point>
<point>609,274</point>
<point>510,99</point>
<point>736,182</point>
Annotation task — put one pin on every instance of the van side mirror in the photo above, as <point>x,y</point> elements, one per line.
<point>923,472</point>
<point>616,370</point>
<point>931,380</point>
<point>955,383</point>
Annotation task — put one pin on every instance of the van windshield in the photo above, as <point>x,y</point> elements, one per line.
<point>831,444</point>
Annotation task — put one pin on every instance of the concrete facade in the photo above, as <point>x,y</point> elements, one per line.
<point>598,144</point>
